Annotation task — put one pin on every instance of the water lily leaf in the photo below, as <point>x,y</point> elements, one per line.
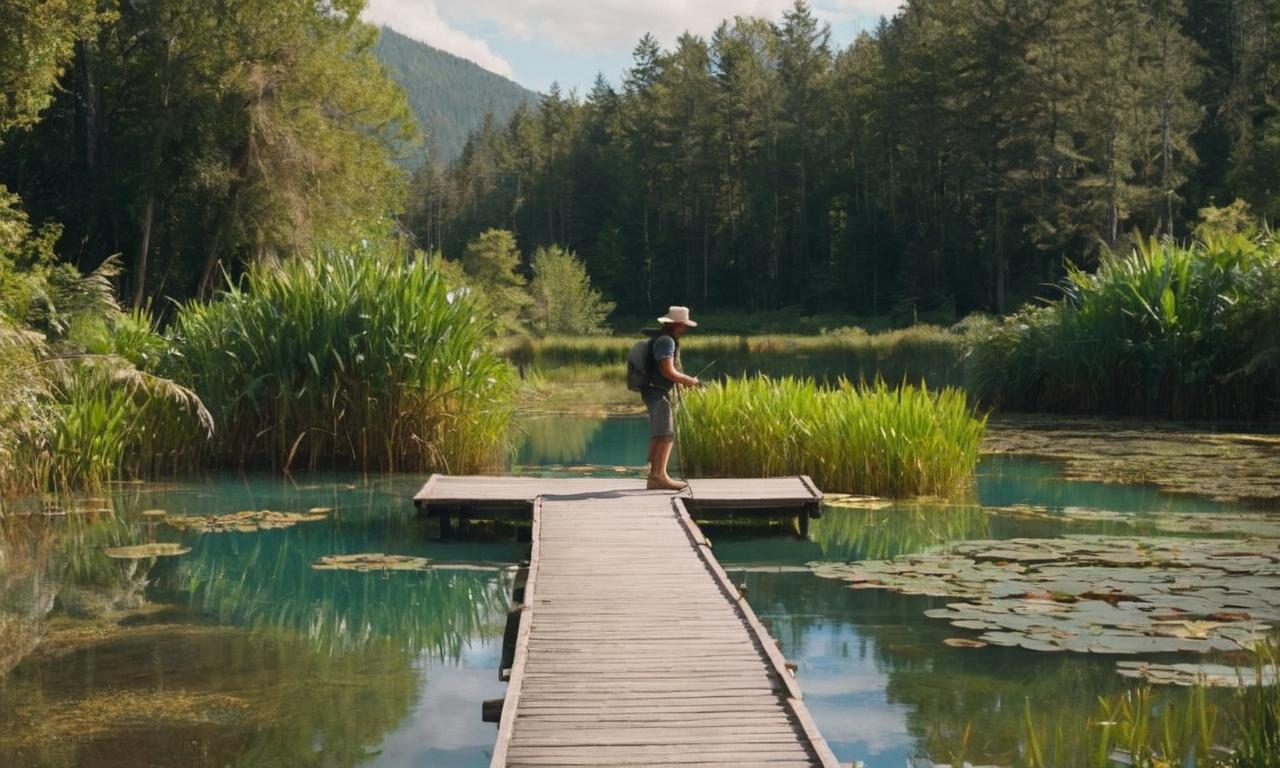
<point>374,561</point>
<point>143,551</point>
<point>964,642</point>
<point>248,521</point>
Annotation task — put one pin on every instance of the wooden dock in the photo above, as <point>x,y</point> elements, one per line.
<point>631,645</point>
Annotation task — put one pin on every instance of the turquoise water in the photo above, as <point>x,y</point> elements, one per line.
<point>238,652</point>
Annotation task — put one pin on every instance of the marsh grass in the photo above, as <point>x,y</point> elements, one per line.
<point>918,354</point>
<point>360,358</point>
<point>852,438</point>
<point>1148,728</point>
<point>1169,330</point>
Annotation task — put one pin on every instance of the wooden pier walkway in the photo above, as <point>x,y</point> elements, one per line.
<point>633,647</point>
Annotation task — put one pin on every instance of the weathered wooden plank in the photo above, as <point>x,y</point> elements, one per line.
<point>632,646</point>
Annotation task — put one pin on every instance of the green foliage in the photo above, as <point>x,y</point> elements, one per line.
<point>78,405</point>
<point>449,96</point>
<point>1158,729</point>
<point>355,357</point>
<point>563,300</point>
<point>1168,330</point>
<point>37,44</point>
<point>869,439</point>
<point>943,162</point>
<point>492,266</point>
<point>193,138</point>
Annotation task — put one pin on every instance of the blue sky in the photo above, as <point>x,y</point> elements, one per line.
<point>537,42</point>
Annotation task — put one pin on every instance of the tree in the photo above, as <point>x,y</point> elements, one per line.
<point>563,299</point>
<point>208,136</point>
<point>492,261</point>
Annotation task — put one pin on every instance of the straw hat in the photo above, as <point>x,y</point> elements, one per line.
<point>677,315</point>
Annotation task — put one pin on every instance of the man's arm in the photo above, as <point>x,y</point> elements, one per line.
<point>667,366</point>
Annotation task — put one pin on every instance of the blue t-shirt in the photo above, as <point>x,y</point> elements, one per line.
<point>664,347</point>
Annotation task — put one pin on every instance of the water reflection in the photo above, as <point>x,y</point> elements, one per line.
<point>238,652</point>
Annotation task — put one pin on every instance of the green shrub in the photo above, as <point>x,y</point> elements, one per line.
<point>352,358</point>
<point>871,439</point>
<point>1169,331</point>
<point>563,299</point>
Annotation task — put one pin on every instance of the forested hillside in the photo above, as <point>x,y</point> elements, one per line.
<point>955,158</point>
<point>449,96</point>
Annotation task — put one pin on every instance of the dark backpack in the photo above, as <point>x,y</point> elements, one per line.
<point>640,369</point>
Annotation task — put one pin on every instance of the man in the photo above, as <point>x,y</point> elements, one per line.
<point>663,378</point>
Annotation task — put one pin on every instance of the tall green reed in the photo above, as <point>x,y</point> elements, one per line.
<point>360,357</point>
<point>874,439</point>
<point>1169,330</point>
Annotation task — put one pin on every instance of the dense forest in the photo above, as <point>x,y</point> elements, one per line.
<point>191,139</point>
<point>956,158</point>
<point>450,97</point>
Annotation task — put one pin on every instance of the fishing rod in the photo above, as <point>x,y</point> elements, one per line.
<point>684,474</point>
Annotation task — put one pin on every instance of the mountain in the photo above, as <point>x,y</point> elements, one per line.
<point>449,96</point>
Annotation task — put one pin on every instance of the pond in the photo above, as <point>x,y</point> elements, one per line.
<point>240,652</point>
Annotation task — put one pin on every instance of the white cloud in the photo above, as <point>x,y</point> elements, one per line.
<point>605,25</point>
<point>420,19</point>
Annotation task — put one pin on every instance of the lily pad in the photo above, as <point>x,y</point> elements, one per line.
<point>143,551</point>
<point>964,642</point>
<point>846,501</point>
<point>248,521</point>
<point>374,561</point>
<point>1093,594</point>
<point>1217,675</point>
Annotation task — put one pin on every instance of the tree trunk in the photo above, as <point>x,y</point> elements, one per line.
<point>144,245</point>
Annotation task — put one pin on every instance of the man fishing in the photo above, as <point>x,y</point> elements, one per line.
<point>656,393</point>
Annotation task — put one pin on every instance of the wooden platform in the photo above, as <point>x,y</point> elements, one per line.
<point>631,645</point>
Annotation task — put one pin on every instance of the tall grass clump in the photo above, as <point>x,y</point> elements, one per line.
<point>81,402</point>
<point>1146,728</point>
<point>872,439</point>
<point>1170,330</point>
<point>359,358</point>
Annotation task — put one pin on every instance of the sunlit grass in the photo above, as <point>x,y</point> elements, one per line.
<point>358,358</point>
<point>1169,330</point>
<point>920,353</point>
<point>871,439</point>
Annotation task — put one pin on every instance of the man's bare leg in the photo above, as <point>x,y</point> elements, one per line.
<point>660,449</point>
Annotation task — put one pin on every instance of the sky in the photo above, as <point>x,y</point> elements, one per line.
<point>538,42</point>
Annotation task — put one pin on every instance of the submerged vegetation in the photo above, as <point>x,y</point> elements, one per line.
<point>1150,729</point>
<point>871,439</point>
<point>360,357</point>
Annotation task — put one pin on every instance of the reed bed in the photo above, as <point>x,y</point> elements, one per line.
<point>360,358</point>
<point>870,439</point>
<point>919,354</point>
<point>1169,331</point>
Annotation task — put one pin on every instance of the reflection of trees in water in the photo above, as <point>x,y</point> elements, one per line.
<point>860,534</point>
<point>557,439</point>
<point>207,698</point>
<point>265,580</point>
<point>944,690</point>
<point>56,565</point>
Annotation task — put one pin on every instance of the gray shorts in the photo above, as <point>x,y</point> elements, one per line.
<point>661,420</point>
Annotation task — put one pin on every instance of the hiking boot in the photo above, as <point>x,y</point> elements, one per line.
<point>665,484</point>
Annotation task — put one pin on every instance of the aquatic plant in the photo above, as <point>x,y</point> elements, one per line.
<point>1168,330</point>
<point>1149,729</point>
<point>80,401</point>
<point>359,357</point>
<point>855,438</point>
